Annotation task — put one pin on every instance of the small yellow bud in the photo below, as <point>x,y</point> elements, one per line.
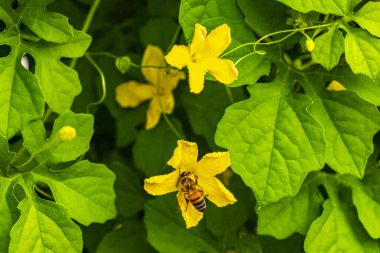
<point>67,133</point>
<point>310,44</point>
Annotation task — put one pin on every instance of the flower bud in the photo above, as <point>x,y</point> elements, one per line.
<point>67,133</point>
<point>123,64</point>
<point>310,44</point>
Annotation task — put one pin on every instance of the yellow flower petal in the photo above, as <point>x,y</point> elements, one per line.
<point>170,80</point>
<point>153,56</point>
<point>200,33</point>
<point>335,86</point>
<point>153,114</point>
<point>191,215</point>
<point>162,184</point>
<point>215,191</point>
<point>215,43</point>
<point>185,156</point>
<point>178,57</point>
<point>167,102</point>
<point>223,70</point>
<point>212,164</point>
<point>196,77</point>
<point>132,93</point>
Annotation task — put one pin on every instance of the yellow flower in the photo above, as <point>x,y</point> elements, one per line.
<point>158,89</point>
<point>185,159</point>
<point>335,86</point>
<point>202,56</point>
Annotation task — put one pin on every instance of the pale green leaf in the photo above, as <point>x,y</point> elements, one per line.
<point>153,148</point>
<point>85,189</point>
<point>337,7</point>
<point>368,17</point>
<point>56,151</point>
<point>5,156</point>
<point>291,215</point>
<point>349,122</point>
<point>362,85</point>
<point>59,83</point>
<point>274,142</point>
<point>44,227</point>
<point>212,13</point>
<point>49,26</point>
<point>338,230</point>
<point>366,198</point>
<point>6,221</point>
<point>34,135</point>
<point>22,99</point>
<point>363,52</point>
<point>24,94</point>
<point>328,48</point>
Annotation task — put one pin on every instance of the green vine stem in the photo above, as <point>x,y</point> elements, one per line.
<point>103,80</point>
<point>290,31</point>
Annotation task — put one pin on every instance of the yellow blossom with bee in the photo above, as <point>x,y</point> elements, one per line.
<point>202,56</point>
<point>159,89</point>
<point>199,178</point>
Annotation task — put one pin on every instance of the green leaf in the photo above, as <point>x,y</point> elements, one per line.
<point>158,31</point>
<point>204,110</point>
<point>328,48</point>
<point>349,123</point>
<point>366,198</point>
<point>212,13</point>
<point>164,8</point>
<point>256,15</point>
<point>130,195</point>
<point>5,156</point>
<point>292,244</point>
<point>368,17</point>
<point>59,83</point>
<point>85,189</point>
<point>362,85</point>
<point>273,141</point>
<point>24,93</point>
<point>34,135</point>
<point>54,150</point>
<point>160,142</point>
<point>338,7</point>
<point>167,230</point>
<point>22,99</point>
<point>6,221</point>
<point>249,244</point>
<point>223,222</point>
<point>131,237</point>
<point>49,26</point>
<point>338,229</point>
<point>44,226</point>
<point>292,215</point>
<point>362,50</point>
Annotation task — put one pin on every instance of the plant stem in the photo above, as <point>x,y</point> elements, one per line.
<point>229,94</point>
<point>174,39</point>
<point>290,31</point>
<point>86,25</point>
<point>103,80</point>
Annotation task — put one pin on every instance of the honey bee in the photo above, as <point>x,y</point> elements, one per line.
<point>191,192</point>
